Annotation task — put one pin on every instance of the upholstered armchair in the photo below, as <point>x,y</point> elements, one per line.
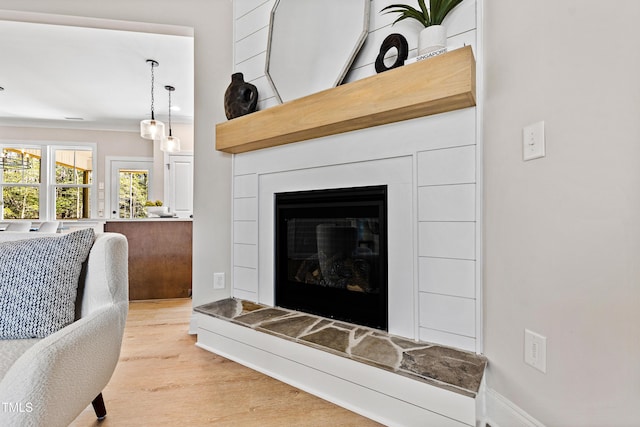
<point>49,380</point>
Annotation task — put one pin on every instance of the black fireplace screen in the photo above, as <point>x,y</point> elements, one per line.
<point>331,253</point>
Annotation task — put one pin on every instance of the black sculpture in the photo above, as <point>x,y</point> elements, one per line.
<point>400,43</point>
<point>240,98</point>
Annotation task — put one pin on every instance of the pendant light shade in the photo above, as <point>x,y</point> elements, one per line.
<point>170,143</point>
<point>152,128</point>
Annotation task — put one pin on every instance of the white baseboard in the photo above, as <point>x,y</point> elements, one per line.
<point>501,412</point>
<point>193,324</point>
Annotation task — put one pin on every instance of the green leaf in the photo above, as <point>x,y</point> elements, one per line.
<point>438,10</point>
<point>425,13</point>
<point>442,9</point>
<point>434,5</point>
<point>397,6</point>
<point>406,12</point>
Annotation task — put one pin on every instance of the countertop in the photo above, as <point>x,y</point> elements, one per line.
<point>170,219</point>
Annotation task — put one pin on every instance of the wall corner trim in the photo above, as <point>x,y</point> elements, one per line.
<point>501,412</point>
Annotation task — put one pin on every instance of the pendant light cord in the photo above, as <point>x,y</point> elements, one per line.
<point>170,113</point>
<point>170,89</point>
<point>152,84</point>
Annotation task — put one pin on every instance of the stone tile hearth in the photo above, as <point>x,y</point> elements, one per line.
<point>444,367</point>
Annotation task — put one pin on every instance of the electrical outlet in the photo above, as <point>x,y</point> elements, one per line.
<point>533,144</point>
<point>535,350</point>
<point>218,280</point>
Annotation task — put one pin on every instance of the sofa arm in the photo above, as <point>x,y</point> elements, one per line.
<point>52,382</point>
<point>107,273</point>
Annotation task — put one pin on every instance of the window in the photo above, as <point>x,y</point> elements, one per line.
<point>73,179</point>
<point>46,182</point>
<point>134,192</point>
<point>21,183</point>
<point>130,181</point>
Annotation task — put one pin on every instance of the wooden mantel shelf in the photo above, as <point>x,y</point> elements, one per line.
<point>437,85</point>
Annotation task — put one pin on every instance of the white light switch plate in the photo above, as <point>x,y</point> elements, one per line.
<point>533,143</point>
<point>535,350</point>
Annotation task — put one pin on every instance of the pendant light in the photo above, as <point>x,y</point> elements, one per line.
<point>170,143</point>
<point>152,129</point>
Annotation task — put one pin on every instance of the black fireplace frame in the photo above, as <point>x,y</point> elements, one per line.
<point>367,309</point>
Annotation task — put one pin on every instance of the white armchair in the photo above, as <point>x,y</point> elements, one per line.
<point>49,227</point>
<point>50,381</point>
<point>18,226</point>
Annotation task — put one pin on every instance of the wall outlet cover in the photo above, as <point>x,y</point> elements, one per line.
<point>218,280</point>
<point>533,141</point>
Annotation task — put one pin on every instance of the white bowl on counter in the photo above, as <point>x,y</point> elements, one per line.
<point>157,211</point>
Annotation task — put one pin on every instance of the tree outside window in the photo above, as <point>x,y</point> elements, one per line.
<point>21,187</point>
<point>73,178</point>
<point>134,192</point>
<point>59,186</point>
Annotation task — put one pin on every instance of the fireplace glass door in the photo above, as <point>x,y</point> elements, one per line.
<point>331,254</point>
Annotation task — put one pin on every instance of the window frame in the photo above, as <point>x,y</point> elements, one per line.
<point>47,187</point>
<point>53,186</point>
<point>112,165</point>
<point>41,188</point>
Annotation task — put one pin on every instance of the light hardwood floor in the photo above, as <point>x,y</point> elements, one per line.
<point>163,379</point>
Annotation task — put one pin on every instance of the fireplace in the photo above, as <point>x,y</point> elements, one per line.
<point>331,253</point>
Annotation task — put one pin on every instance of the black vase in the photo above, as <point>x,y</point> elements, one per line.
<point>240,98</point>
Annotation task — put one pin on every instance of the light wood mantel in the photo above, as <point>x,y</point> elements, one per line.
<point>437,85</point>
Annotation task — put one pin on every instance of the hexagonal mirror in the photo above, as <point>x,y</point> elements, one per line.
<point>313,43</point>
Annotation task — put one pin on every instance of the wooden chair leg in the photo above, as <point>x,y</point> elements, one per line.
<point>98,406</point>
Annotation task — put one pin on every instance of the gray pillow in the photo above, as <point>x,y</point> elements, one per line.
<point>39,283</point>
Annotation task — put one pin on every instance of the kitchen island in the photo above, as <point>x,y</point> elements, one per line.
<point>160,256</point>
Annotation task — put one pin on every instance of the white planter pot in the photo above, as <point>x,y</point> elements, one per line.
<point>431,39</point>
<point>154,211</point>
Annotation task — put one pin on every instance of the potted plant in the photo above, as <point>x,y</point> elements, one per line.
<point>434,36</point>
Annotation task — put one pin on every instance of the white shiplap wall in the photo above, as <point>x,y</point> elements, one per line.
<point>251,32</point>
<point>445,302</point>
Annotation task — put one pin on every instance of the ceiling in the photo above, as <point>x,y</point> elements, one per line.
<point>91,78</point>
